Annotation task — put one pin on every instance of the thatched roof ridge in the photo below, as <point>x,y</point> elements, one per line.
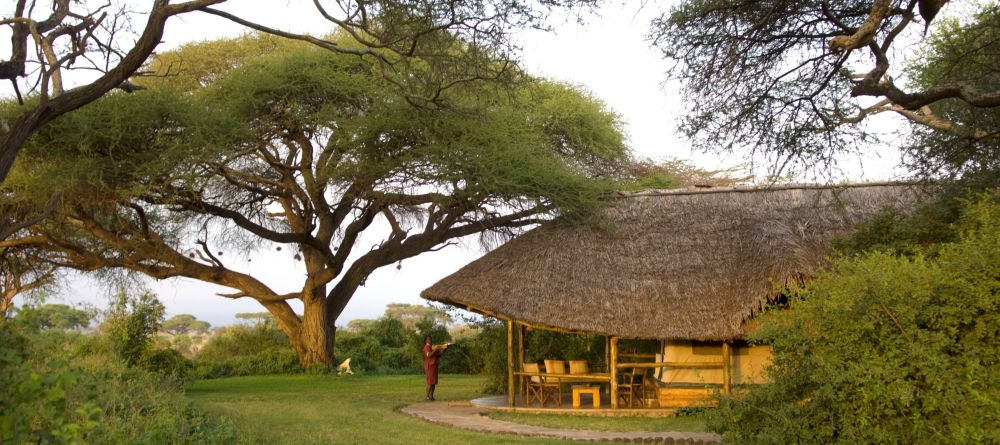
<point>678,264</point>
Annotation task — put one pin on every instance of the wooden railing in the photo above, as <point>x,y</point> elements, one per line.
<point>676,365</point>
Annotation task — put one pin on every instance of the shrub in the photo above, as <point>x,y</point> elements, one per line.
<point>33,404</point>
<point>69,389</point>
<point>246,350</point>
<point>268,361</point>
<point>131,325</point>
<point>167,362</point>
<point>240,340</point>
<point>885,348</point>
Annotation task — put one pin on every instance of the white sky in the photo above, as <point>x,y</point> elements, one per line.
<point>609,56</point>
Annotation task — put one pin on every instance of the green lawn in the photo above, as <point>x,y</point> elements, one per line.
<point>326,409</point>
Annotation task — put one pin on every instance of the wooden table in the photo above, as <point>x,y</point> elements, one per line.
<point>594,391</point>
<point>597,377</point>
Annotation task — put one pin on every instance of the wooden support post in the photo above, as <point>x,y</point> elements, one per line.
<point>727,368</point>
<point>520,358</point>
<point>613,369</point>
<point>510,363</point>
<point>607,353</point>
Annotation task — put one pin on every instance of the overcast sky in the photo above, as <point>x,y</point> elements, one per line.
<point>608,56</point>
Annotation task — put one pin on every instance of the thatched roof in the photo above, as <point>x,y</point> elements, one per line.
<point>684,264</point>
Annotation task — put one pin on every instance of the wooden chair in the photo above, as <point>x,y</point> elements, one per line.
<point>555,366</point>
<point>553,384</point>
<point>534,386</point>
<point>578,367</point>
<point>630,387</point>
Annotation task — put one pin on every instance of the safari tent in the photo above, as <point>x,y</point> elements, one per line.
<point>689,267</point>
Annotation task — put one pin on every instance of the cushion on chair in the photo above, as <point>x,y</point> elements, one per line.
<point>658,373</point>
<point>533,367</point>
<point>555,366</point>
<point>578,367</point>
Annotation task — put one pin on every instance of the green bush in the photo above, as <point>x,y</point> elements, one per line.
<point>240,350</point>
<point>131,325</point>
<point>145,408</point>
<point>167,362</point>
<point>885,348</point>
<point>240,340</point>
<point>268,361</point>
<point>33,404</point>
<point>71,389</point>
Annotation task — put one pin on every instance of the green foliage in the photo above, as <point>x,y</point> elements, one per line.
<point>268,361</point>
<point>66,388</point>
<point>33,405</point>
<point>384,347</point>
<point>886,348</point>
<point>131,325</point>
<point>52,316</point>
<point>257,318</point>
<point>930,225</point>
<point>167,362</point>
<point>246,350</point>
<point>185,324</point>
<point>411,314</point>
<point>145,169</point>
<point>962,51</point>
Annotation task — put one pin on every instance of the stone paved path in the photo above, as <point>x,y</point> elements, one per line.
<point>472,418</point>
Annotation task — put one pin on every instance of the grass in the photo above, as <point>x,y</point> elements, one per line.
<point>326,409</point>
<point>690,423</point>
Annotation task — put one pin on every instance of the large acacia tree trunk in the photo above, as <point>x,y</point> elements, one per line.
<point>312,334</point>
<point>314,342</point>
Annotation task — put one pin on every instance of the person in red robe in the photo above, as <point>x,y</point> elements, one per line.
<point>432,354</point>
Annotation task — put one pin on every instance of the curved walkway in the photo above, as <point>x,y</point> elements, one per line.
<point>472,418</point>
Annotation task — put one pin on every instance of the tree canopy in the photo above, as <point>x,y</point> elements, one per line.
<point>53,316</point>
<point>962,139</point>
<point>798,80</point>
<point>184,324</point>
<point>308,149</point>
<point>50,39</point>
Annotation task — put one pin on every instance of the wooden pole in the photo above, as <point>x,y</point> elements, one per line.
<point>607,352</point>
<point>727,368</point>
<point>613,368</point>
<point>510,363</point>
<point>520,357</point>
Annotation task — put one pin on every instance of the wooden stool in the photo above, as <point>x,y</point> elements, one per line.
<point>594,391</point>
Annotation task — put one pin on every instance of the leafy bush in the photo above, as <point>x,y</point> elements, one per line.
<point>33,404</point>
<point>71,389</point>
<point>268,361</point>
<point>246,350</point>
<point>167,362</point>
<point>886,348</point>
<point>239,340</point>
<point>131,325</point>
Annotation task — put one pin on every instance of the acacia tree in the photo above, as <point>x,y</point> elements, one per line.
<point>798,79</point>
<point>50,38</point>
<point>63,35</point>
<point>948,59</point>
<point>21,271</point>
<point>306,149</point>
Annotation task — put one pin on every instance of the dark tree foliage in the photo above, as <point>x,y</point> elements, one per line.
<point>796,80</point>
<point>52,316</point>
<point>966,140</point>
